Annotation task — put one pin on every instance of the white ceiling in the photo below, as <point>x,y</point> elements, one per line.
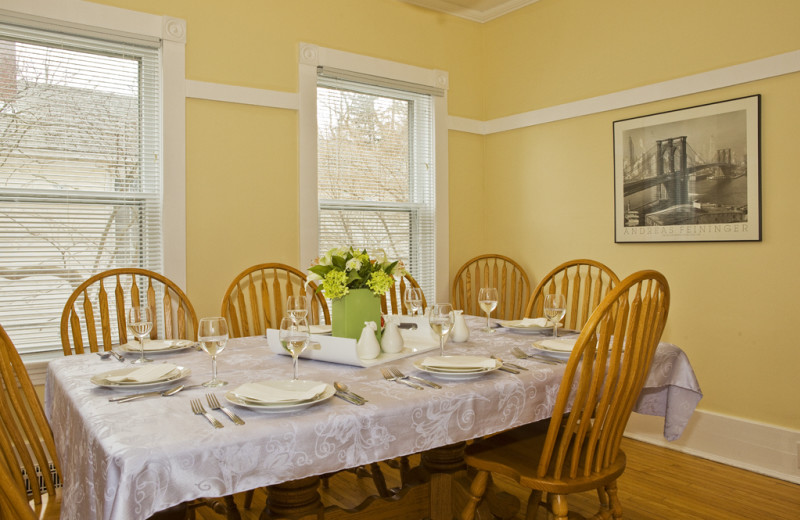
<point>475,10</point>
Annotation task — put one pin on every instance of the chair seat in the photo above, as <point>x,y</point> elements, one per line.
<point>50,508</point>
<point>515,454</point>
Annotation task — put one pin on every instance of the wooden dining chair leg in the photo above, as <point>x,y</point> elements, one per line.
<point>232,511</point>
<point>610,505</point>
<point>605,510</point>
<point>476,492</point>
<point>534,501</point>
<point>248,498</point>
<point>558,507</point>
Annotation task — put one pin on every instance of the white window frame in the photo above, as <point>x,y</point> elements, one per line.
<point>121,24</point>
<point>311,57</point>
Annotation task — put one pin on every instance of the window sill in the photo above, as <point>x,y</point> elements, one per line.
<point>36,365</point>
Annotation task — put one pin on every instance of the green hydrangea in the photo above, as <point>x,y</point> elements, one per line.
<point>335,284</point>
<point>341,269</point>
<point>380,282</point>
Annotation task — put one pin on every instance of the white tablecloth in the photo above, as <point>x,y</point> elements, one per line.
<point>128,460</point>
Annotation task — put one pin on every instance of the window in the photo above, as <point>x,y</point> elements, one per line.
<point>376,172</point>
<point>373,161</point>
<point>80,171</point>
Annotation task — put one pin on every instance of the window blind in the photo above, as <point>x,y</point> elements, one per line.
<point>376,173</point>
<point>80,171</point>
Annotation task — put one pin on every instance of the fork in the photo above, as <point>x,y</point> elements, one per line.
<point>397,373</point>
<point>390,377</point>
<point>198,409</point>
<point>213,403</point>
<point>520,354</point>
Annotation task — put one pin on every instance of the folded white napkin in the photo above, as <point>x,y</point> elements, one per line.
<point>527,322</point>
<point>561,344</point>
<point>145,374</point>
<point>278,393</point>
<point>459,362</point>
<point>157,344</point>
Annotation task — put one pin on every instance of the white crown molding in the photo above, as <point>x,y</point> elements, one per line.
<point>761,448</point>
<point>468,13</point>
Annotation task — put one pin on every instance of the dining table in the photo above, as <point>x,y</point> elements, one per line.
<point>128,460</point>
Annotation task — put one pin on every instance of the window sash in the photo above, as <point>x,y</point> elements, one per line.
<point>413,242</point>
<point>82,186</point>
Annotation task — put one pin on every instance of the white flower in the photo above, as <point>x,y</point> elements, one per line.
<point>354,264</point>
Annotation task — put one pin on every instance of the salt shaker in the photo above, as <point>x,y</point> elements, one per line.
<point>391,340</point>
<point>460,332</point>
<point>368,346</point>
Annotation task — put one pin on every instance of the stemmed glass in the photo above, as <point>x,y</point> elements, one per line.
<point>297,307</point>
<point>441,321</point>
<point>294,337</point>
<point>555,307</point>
<point>140,323</point>
<point>213,336</point>
<point>487,299</point>
<point>413,298</point>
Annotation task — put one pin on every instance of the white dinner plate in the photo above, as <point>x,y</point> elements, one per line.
<point>291,406</point>
<point>516,328</point>
<point>455,372</point>
<point>158,346</point>
<point>320,329</point>
<point>101,379</point>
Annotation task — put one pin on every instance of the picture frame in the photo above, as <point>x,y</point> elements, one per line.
<point>689,175</point>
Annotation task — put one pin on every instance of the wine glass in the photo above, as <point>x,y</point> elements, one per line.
<point>555,307</point>
<point>487,299</point>
<point>297,307</point>
<point>140,322</point>
<point>294,337</point>
<point>213,336</point>
<point>441,321</point>
<point>413,298</point>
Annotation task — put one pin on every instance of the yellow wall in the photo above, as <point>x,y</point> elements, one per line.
<point>542,194</point>
<point>242,161</point>
<point>733,304</point>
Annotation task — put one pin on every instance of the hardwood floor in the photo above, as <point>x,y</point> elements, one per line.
<point>658,484</point>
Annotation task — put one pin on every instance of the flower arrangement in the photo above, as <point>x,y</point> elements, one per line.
<point>341,269</point>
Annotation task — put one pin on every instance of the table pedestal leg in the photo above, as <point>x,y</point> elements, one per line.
<point>292,500</point>
<point>441,463</point>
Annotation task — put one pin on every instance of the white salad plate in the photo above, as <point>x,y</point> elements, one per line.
<point>456,372</point>
<point>102,378</point>
<point>158,346</point>
<point>282,406</point>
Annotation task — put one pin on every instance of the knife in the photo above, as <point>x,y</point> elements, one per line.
<point>348,398</point>
<point>166,393</point>
<point>509,370</point>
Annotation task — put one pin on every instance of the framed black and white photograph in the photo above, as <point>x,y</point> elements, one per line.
<point>689,175</point>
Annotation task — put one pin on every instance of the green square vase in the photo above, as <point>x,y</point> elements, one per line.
<point>352,310</point>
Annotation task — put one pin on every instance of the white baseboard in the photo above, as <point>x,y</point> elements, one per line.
<point>761,448</point>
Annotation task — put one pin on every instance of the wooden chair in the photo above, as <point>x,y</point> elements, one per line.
<point>255,299</point>
<point>392,302</point>
<point>579,448</point>
<point>26,441</point>
<point>501,272</point>
<point>27,445</point>
<point>13,501</point>
<point>583,282</point>
<point>93,317</point>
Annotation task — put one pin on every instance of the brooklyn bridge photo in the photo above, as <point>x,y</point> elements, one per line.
<point>689,176</point>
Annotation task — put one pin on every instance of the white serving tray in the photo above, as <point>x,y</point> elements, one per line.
<point>343,350</point>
